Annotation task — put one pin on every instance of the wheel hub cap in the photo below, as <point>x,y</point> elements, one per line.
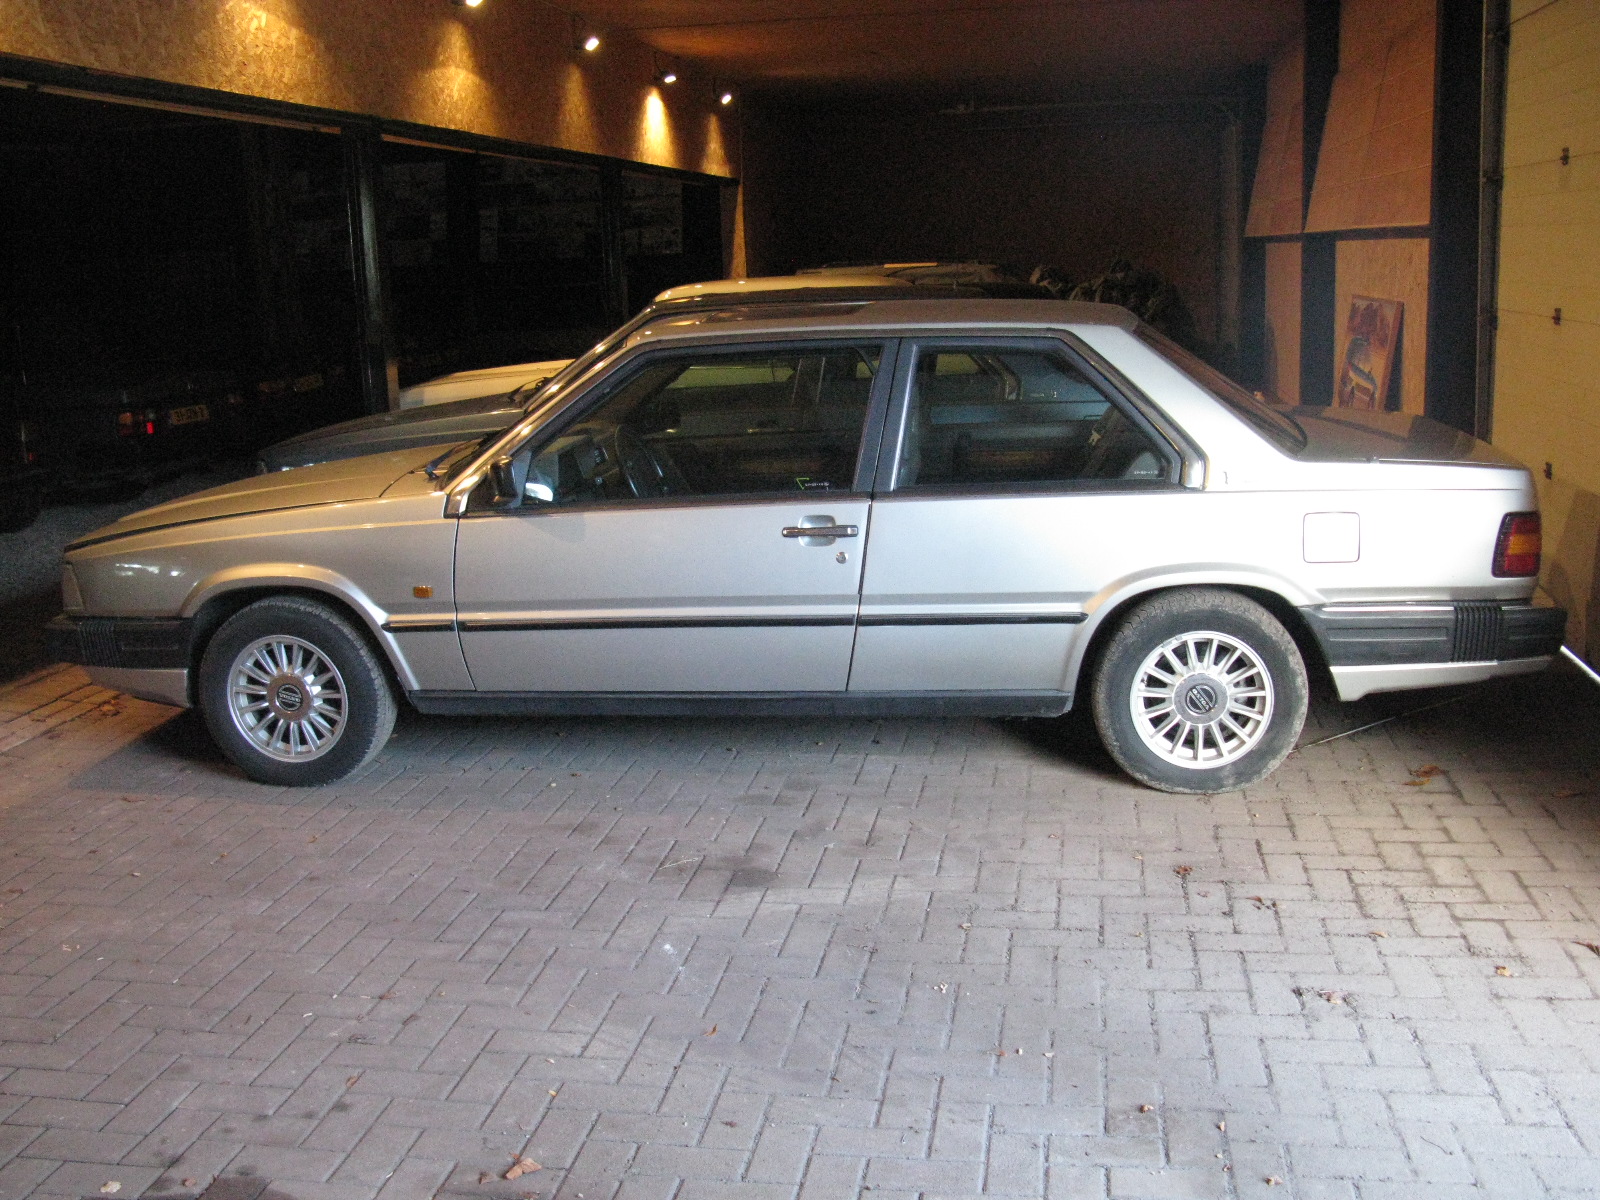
<point>287,698</point>
<point>1202,700</point>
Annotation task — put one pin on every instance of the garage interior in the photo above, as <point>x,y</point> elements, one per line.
<point>897,958</point>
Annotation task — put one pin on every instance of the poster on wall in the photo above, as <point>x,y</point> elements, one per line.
<point>1371,334</point>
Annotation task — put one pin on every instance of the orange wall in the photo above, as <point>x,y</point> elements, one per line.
<point>507,69</point>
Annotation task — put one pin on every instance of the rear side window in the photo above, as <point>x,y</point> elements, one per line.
<point>994,416</point>
<point>1279,428</point>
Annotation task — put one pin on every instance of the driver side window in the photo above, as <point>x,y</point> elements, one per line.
<point>728,424</point>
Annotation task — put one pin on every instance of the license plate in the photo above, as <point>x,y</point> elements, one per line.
<point>188,415</point>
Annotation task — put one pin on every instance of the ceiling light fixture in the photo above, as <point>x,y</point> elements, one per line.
<point>721,91</point>
<point>466,3</point>
<point>584,36</point>
<point>665,74</point>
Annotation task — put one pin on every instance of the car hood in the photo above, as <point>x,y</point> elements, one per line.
<point>453,421</point>
<point>1357,435</point>
<point>326,483</point>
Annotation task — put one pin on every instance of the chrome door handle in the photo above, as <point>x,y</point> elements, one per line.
<point>827,531</point>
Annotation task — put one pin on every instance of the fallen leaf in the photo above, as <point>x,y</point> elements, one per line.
<point>484,1176</point>
<point>1590,946</point>
<point>351,1082</point>
<point>1273,1181</point>
<point>1144,1108</point>
<point>522,1166</point>
<point>1421,775</point>
<point>1222,1125</point>
<point>712,1032</point>
<point>191,1183</point>
<point>731,1124</point>
<point>132,799</point>
<point>109,1186</point>
<point>1502,970</point>
<point>1334,997</point>
<point>1568,793</point>
<point>1379,933</point>
<point>966,925</point>
<point>552,1091</point>
<point>1180,871</point>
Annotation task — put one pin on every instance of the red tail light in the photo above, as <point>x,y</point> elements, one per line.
<point>1516,550</point>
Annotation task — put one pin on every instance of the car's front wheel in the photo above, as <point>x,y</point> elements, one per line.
<point>293,694</point>
<point>1200,690</point>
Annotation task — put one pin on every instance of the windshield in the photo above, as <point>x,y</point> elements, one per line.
<point>1277,427</point>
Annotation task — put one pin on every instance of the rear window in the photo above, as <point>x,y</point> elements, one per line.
<point>1282,430</point>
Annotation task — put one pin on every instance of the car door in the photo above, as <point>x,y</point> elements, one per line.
<point>660,540</point>
<point>1020,484</point>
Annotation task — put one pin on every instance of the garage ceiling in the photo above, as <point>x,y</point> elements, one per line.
<point>983,50</point>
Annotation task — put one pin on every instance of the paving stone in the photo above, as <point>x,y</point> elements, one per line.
<point>783,959</point>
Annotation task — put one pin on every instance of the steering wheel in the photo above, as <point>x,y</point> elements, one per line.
<point>644,474</point>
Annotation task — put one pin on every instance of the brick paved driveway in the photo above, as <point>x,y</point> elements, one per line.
<point>822,959</point>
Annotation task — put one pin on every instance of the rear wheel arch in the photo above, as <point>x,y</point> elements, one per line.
<point>1279,605</point>
<point>1199,689</point>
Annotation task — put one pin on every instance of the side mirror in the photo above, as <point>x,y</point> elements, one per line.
<point>504,480</point>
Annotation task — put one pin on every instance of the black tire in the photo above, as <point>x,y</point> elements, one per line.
<point>21,509</point>
<point>1235,703</point>
<point>274,739</point>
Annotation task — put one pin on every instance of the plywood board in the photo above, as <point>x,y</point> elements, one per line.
<point>1396,269</point>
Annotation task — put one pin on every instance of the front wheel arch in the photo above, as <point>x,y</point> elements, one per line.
<point>215,611</point>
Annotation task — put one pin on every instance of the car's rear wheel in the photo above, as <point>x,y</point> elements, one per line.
<point>293,694</point>
<point>1200,690</point>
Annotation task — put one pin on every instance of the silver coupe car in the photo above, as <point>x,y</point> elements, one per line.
<point>863,506</point>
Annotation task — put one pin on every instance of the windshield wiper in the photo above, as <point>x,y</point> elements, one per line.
<point>431,468</point>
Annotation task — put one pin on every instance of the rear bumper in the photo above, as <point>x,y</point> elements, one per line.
<point>1390,647</point>
<point>144,657</point>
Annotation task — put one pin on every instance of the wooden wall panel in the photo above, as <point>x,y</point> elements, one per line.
<point>1389,269</point>
<point>1277,201</point>
<point>1375,167</point>
<point>1547,376</point>
<point>507,69</point>
<point>1281,354</point>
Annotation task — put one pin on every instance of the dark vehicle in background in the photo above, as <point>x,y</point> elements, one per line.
<point>128,437</point>
<point>459,420</point>
<point>23,459</point>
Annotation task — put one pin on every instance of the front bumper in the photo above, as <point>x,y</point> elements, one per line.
<point>144,657</point>
<point>1391,647</point>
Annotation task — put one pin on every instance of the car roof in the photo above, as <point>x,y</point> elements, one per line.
<point>842,317</point>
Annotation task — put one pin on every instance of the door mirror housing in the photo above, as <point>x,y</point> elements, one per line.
<point>503,477</point>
